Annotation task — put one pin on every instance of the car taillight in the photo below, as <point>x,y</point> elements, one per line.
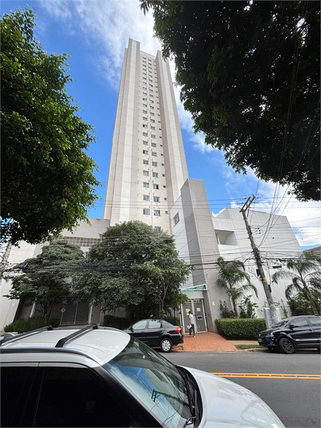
<point>178,330</point>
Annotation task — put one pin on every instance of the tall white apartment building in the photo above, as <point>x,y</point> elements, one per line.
<point>147,166</point>
<point>148,181</point>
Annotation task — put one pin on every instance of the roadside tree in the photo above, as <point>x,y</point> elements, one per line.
<point>250,77</point>
<point>48,180</point>
<point>46,279</point>
<point>305,275</point>
<point>232,275</point>
<point>133,267</point>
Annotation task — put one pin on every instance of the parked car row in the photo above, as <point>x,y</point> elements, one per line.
<point>293,333</point>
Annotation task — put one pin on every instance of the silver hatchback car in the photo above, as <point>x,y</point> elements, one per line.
<point>103,377</point>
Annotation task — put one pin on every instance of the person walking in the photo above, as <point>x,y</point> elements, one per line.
<point>191,321</point>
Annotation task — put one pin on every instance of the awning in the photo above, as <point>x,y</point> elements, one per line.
<point>195,287</point>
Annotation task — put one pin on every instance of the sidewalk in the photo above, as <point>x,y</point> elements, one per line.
<point>210,342</point>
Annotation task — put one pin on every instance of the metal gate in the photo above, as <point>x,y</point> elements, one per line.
<point>68,313</point>
<point>196,306</point>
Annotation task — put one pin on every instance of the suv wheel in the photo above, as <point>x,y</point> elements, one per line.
<point>166,345</point>
<point>286,345</point>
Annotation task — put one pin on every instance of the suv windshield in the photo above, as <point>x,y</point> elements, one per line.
<point>155,382</point>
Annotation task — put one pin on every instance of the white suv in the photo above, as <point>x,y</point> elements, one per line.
<point>102,377</point>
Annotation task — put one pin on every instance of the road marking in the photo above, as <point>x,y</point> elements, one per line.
<point>270,375</point>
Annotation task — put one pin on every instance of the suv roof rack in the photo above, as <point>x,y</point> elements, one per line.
<point>81,331</point>
<point>27,333</point>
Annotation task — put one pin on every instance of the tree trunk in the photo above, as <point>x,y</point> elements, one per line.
<point>235,308</point>
<point>309,299</point>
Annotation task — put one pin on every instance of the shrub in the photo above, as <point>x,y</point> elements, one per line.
<point>117,322</point>
<point>225,311</point>
<point>299,305</point>
<point>172,320</point>
<point>247,308</point>
<point>22,325</point>
<point>247,328</point>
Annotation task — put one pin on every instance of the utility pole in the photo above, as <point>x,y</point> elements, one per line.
<point>266,286</point>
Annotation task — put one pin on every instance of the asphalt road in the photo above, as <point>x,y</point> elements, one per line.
<point>295,399</point>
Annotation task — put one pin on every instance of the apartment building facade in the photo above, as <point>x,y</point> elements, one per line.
<point>148,181</point>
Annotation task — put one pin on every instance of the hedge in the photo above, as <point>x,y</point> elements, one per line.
<point>244,328</point>
<point>22,325</point>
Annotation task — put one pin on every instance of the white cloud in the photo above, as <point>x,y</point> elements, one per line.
<point>107,26</point>
<point>304,217</point>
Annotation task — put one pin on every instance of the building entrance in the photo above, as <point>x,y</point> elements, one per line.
<point>196,306</point>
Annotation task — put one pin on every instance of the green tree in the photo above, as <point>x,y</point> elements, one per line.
<point>250,76</point>
<point>47,178</point>
<point>232,273</point>
<point>134,267</point>
<point>46,279</point>
<point>300,306</point>
<point>305,275</point>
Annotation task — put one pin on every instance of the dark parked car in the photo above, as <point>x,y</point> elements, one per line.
<point>293,333</point>
<point>157,333</point>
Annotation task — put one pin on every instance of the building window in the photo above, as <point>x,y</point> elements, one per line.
<point>153,136</point>
<point>156,198</point>
<point>146,173</point>
<point>146,197</point>
<point>152,120</point>
<point>154,154</point>
<point>155,186</point>
<point>166,212</point>
<point>146,211</point>
<point>157,213</point>
<point>176,218</point>
<point>152,128</point>
<point>145,126</point>
<point>158,228</point>
<point>145,111</point>
<point>153,144</point>
<point>145,143</point>
<point>145,152</point>
<point>144,118</point>
<point>145,134</point>
<point>146,184</point>
<point>155,174</point>
<point>145,162</point>
<point>154,163</point>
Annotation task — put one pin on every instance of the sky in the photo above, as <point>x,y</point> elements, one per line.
<point>95,33</point>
